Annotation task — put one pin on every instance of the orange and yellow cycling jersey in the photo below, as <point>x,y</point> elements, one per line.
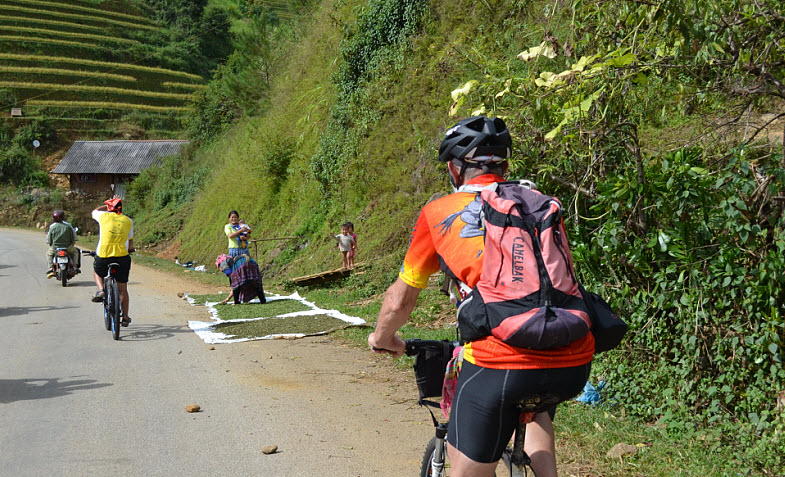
<point>448,236</point>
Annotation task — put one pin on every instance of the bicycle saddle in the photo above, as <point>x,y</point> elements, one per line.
<point>538,403</point>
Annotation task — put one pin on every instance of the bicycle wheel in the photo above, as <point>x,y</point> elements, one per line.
<point>107,315</point>
<point>426,468</point>
<point>114,307</point>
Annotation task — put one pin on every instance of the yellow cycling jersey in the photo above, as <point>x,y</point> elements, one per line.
<point>114,232</point>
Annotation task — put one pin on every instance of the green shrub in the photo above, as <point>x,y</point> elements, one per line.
<point>378,39</point>
<point>37,130</point>
<point>212,110</point>
<point>7,98</point>
<point>700,276</point>
<point>18,166</point>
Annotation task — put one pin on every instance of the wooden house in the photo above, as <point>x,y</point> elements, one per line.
<point>107,167</point>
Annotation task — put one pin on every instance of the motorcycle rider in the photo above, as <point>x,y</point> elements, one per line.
<point>61,235</point>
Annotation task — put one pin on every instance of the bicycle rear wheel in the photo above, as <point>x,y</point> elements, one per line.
<point>113,295</point>
<point>426,468</point>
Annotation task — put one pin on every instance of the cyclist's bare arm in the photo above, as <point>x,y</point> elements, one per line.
<point>399,301</point>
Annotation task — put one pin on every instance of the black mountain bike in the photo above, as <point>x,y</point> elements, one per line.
<point>431,357</point>
<point>113,309</point>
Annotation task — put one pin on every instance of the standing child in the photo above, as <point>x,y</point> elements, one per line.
<point>345,244</point>
<point>350,227</point>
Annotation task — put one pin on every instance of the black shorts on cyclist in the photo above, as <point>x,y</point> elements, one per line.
<point>484,413</point>
<point>101,267</point>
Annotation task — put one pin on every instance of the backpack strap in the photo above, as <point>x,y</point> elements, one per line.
<point>495,185</point>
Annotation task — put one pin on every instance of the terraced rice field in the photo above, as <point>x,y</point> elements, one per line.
<point>83,66</point>
<point>105,105</point>
<point>54,34</point>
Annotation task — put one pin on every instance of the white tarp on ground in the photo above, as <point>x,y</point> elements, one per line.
<point>205,329</point>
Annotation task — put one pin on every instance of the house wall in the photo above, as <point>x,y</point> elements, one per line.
<point>100,184</point>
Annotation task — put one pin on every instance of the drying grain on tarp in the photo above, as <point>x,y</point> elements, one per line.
<point>202,299</point>
<point>252,310</point>
<point>282,316</point>
<point>279,326</point>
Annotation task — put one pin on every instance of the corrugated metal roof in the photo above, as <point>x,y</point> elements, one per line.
<point>115,157</point>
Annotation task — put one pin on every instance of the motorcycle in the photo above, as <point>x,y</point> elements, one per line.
<point>64,267</point>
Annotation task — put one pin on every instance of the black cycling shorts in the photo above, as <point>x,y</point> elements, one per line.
<point>484,416</point>
<point>101,267</point>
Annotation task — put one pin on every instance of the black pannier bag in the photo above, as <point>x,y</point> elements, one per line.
<point>607,327</point>
<point>430,363</point>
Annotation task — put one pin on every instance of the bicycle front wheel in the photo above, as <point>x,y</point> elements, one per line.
<point>107,302</point>
<point>427,467</point>
<point>107,316</point>
<point>113,295</point>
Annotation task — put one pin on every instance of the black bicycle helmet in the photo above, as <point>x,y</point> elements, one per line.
<point>58,215</point>
<point>477,139</point>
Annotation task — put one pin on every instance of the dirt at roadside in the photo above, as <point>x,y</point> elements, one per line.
<point>368,402</point>
<point>375,368</point>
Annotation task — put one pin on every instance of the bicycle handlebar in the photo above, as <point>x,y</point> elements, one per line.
<point>414,346</point>
<point>93,254</point>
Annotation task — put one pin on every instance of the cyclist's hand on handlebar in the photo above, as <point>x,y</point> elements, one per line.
<point>395,346</point>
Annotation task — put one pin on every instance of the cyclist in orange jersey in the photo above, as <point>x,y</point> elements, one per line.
<point>448,237</point>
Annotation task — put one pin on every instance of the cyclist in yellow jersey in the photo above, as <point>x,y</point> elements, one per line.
<point>494,375</point>
<point>115,240</point>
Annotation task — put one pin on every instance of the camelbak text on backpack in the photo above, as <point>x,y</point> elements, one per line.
<point>527,295</point>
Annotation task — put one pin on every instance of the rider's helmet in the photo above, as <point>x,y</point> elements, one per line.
<point>477,140</point>
<point>114,205</point>
<point>58,215</point>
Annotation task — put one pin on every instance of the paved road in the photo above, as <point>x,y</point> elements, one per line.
<point>75,402</point>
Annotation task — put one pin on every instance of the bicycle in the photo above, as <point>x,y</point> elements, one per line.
<point>113,309</point>
<point>515,461</point>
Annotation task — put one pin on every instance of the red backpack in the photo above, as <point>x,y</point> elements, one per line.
<point>527,295</point>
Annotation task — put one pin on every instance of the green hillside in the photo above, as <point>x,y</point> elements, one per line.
<point>102,66</point>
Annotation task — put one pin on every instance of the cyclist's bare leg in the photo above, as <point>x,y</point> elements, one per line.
<point>123,289</point>
<point>539,445</point>
<point>462,466</point>
<point>99,280</point>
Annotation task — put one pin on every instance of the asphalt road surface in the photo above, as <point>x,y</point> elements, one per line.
<point>75,402</point>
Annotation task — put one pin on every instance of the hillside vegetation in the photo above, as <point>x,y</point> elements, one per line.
<point>658,124</point>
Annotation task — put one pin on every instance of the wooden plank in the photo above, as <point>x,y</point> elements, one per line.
<point>273,238</point>
<point>322,277</point>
